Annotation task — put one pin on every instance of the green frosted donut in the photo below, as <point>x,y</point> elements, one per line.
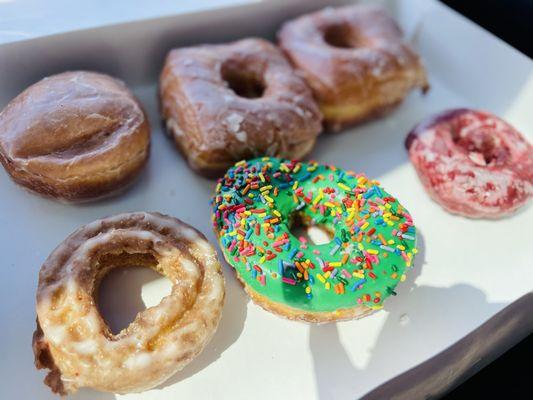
<point>374,238</point>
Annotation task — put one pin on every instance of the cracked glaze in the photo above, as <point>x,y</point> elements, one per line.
<point>73,340</point>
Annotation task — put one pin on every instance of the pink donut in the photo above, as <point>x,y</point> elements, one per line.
<point>472,163</point>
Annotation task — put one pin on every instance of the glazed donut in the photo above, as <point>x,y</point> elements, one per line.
<point>472,163</point>
<point>223,103</point>
<point>355,61</point>
<point>74,136</point>
<point>73,340</point>
<point>257,203</point>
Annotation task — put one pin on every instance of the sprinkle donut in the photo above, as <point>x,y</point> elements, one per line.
<point>73,340</point>
<point>472,163</point>
<point>254,208</point>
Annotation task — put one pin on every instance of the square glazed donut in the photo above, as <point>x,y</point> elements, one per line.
<point>354,59</point>
<point>224,103</point>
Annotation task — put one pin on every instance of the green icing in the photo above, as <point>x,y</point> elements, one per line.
<point>369,225</point>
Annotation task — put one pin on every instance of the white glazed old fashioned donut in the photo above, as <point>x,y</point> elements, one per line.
<point>73,340</point>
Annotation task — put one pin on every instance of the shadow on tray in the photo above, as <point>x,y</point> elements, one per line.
<point>402,333</point>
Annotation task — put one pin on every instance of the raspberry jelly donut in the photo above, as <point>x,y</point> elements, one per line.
<point>472,163</point>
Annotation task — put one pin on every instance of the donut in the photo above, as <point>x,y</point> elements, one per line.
<point>472,163</point>
<point>223,103</point>
<point>75,136</point>
<point>258,202</point>
<point>73,341</point>
<point>354,59</point>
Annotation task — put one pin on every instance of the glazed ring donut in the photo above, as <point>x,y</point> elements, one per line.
<point>223,103</point>
<point>73,340</point>
<point>258,202</point>
<point>472,163</point>
<point>74,136</point>
<point>354,59</point>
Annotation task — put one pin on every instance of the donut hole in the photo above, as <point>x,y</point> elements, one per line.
<point>301,226</point>
<point>242,81</point>
<point>482,146</point>
<point>129,285</point>
<point>341,36</point>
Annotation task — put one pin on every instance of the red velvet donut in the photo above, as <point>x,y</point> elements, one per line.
<point>472,163</point>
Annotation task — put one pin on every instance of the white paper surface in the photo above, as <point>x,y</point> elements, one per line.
<point>26,19</point>
<point>466,270</point>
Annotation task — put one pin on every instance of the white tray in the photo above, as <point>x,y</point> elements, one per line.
<point>467,271</point>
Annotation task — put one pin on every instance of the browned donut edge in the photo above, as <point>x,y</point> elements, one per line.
<point>215,171</point>
<point>44,360</point>
<point>81,191</point>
